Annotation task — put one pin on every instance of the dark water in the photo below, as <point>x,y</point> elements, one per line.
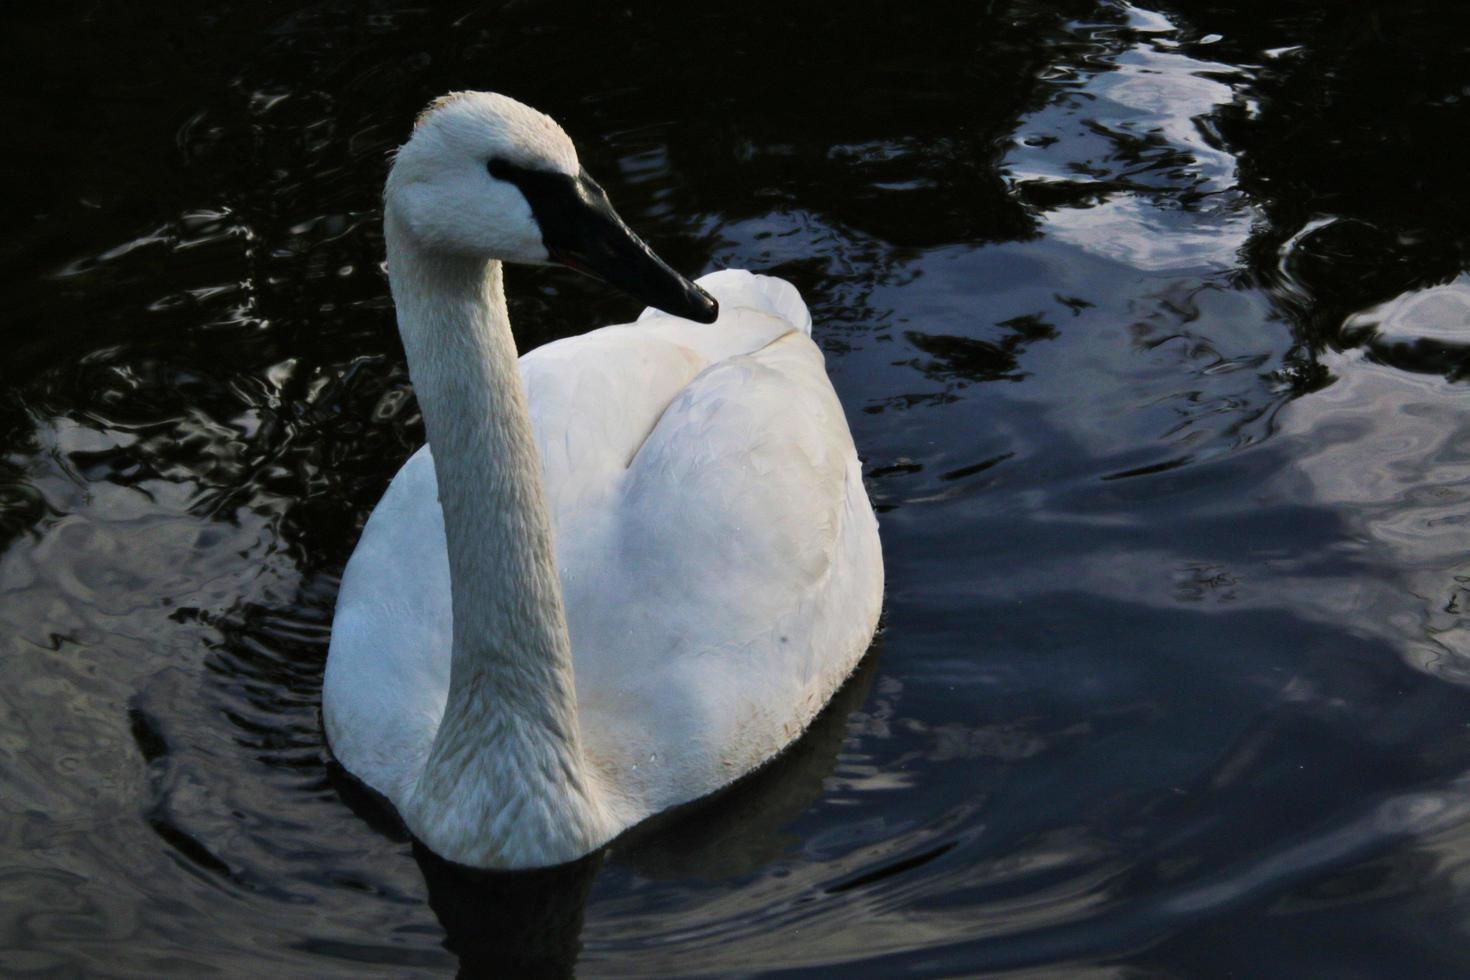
<point>1152,324</point>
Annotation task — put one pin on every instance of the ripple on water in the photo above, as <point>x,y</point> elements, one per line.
<point>1131,168</point>
<point>1390,451</point>
<point>1424,330</point>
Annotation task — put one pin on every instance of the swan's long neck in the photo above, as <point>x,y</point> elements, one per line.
<point>505,782</point>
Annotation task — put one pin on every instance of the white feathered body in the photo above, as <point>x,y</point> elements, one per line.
<point>718,556</point>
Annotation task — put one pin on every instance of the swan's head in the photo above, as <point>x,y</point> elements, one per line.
<point>484,175</point>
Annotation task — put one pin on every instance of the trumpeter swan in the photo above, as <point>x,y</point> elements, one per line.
<point>637,562</point>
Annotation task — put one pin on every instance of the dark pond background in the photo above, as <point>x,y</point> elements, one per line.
<point>1153,327</point>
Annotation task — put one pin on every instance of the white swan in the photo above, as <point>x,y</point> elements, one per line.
<point>638,562</point>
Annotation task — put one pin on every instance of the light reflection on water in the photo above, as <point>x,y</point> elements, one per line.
<point>1172,494</point>
<point>1127,138</point>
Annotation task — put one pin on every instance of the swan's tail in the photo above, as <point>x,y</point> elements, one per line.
<point>736,288</point>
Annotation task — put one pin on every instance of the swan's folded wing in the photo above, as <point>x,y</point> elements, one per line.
<point>596,397</point>
<point>738,495</point>
<point>747,578</point>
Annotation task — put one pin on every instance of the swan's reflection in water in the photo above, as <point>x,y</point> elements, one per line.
<point>529,923</point>
<point>510,923</point>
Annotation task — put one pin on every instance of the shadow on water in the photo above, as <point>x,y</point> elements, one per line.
<point>1151,323</point>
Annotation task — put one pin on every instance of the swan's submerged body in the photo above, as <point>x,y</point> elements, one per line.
<point>638,563</point>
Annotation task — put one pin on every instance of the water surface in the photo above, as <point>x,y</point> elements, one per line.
<point>1152,324</point>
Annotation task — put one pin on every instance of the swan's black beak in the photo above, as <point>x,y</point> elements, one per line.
<point>582,231</point>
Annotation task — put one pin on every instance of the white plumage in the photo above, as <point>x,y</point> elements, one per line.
<point>717,558</point>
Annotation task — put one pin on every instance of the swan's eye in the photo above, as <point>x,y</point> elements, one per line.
<point>547,191</point>
<point>519,175</point>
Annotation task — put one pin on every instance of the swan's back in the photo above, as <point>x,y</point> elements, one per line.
<point>718,555</point>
